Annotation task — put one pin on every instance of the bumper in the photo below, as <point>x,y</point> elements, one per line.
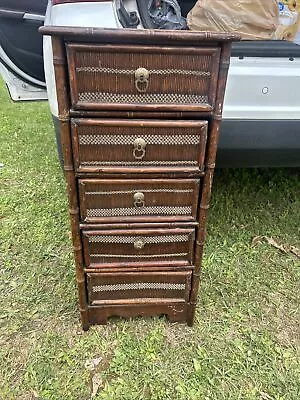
<point>259,143</point>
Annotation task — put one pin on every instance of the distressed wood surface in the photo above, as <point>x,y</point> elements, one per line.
<point>138,209</point>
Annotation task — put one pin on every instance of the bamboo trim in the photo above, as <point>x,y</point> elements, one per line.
<point>212,143</point>
<point>64,120</point>
<point>134,37</point>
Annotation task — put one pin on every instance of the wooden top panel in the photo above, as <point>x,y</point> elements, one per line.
<point>137,36</point>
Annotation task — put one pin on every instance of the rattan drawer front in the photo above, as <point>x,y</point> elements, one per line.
<point>138,200</point>
<point>138,145</point>
<point>126,77</point>
<point>138,247</point>
<point>108,288</point>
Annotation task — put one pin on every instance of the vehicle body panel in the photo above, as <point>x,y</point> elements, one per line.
<point>263,88</point>
<point>101,15</point>
<point>21,52</point>
<point>261,118</point>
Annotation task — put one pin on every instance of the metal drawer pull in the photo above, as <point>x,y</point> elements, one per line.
<point>139,244</point>
<point>139,199</point>
<point>141,79</point>
<point>139,148</point>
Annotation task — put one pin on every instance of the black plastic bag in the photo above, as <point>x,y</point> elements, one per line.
<point>166,14</point>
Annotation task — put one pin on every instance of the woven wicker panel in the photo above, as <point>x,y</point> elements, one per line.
<point>107,288</point>
<point>138,246</point>
<point>139,199</point>
<point>105,75</point>
<point>102,145</point>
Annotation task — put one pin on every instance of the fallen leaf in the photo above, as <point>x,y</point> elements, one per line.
<point>284,248</point>
<point>294,250</point>
<point>96,366</point>
<point>35,396</point>
<point>275,244</point>
<point>91,365</point>
<point>257,240</point>
<point>197,365</point>
<point>265,396</point>
<point>96,384</point>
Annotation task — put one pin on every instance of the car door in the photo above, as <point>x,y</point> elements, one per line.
<point>21,48</point>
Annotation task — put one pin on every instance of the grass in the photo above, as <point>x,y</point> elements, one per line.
<point>245,342</point>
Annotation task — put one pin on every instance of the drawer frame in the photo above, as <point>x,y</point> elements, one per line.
<point>133,282</point>
<point>214,52</point>
<point>143,186</point>
<point>156,236</point>
<point>140,169</point>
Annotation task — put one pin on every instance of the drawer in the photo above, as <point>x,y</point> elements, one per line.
<point>138,200</point>
<point>117,248</point>
<point>135,287</point>
<point>142,77</point>
<point>138,145</point>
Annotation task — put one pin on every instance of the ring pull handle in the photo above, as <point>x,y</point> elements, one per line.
<point>139,244</point>
<point>141,76</point>
<point>139,148</point>
<point>139,200</point>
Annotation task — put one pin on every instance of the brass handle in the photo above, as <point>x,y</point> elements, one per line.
<point>141,76</point>
<point>139,148</point>
<point>139,244</point>
<point>139,199</point>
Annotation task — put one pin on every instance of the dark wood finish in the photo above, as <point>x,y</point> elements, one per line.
<point>176,312</point>
<point>139,173</point>
<point>103,77</point>
<point>134,288</point>
<point>137,225</point>
<point>140,114</point>
<point>138,247</point>
<point>140,36</point>
<point>129,147</point>
<point>109,145</point>
<point>138,200</point>
<point>141,267</point>
<point>63,110</point>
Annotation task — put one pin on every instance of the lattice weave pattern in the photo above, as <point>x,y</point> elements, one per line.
<point>152,98</point>
<point>106,70</point>
<point>139,286</point>
<point>116,212</point>
<point>165,255</point>
<point>174,163</point>
<point>132,239</point>
<point>162,190</point>
<point>129,139</point>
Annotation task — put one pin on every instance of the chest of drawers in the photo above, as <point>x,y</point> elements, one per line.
<point>139,114</point>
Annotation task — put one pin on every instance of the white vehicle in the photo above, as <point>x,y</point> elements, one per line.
<point>261,120</point>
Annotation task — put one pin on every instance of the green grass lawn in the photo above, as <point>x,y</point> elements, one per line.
<point>245,342</point>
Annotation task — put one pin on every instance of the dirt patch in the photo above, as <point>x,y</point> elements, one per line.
<point>283,316</point>
<point>179,334</point>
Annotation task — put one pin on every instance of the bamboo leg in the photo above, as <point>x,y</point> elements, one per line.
<point>212,144</point>
<point>64,118</point>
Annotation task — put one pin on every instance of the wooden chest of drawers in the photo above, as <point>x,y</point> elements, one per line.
<point>139,114</point>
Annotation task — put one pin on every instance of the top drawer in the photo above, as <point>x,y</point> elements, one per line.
<point>142,77</point>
